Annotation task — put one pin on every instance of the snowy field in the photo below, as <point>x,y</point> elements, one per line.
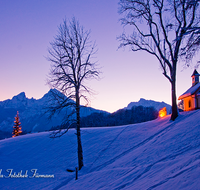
<point>159,154</point>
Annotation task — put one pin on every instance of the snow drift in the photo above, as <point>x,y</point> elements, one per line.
<point>158,154</point>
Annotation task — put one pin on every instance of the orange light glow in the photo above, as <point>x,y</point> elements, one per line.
<point>163,112</point>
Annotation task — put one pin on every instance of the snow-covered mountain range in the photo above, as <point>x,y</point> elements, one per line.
<point>33,117</point>
<point>159,154</point>
<point>150,103</point>
<point>32,113</point>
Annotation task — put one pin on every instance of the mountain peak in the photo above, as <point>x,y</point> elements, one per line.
<point>149,103</point>
<point>51,94</point>
<point>33,112</point>
<point>142,100</point>
<point>20,96</point>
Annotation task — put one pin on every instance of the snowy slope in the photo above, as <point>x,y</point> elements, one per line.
<point>149,103</point>
<point>159,154</point>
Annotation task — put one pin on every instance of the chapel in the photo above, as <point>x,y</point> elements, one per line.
<point>191,98</point>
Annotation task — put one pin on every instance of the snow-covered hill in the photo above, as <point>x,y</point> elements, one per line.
<point>149,103</point>
<point>32,113</point>
<point>159,154</point>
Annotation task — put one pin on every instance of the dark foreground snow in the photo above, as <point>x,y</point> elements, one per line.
<point>159,154</point>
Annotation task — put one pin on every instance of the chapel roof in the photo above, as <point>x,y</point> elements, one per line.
<point>190,91</point>
<point>195,73</point>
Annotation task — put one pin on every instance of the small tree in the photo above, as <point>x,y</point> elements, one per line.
<point>166,29</point>
<point>17,129</point>
<point>71,57</point>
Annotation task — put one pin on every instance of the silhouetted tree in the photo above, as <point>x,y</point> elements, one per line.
<point>71,56</point>
<point>165,29</point>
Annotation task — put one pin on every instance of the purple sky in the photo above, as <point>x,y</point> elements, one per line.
<point>27,27</point>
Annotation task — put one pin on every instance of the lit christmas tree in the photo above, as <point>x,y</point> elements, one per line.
<point>17,128</point>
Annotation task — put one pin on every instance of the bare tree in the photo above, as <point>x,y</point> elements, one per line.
<point>71,56</point>
<point>164,29</point>
<point>192,47</point>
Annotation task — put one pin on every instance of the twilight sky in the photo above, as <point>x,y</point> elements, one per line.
<point>27,27</point>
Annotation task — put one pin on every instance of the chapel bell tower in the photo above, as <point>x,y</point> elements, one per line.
<point>195,77</point>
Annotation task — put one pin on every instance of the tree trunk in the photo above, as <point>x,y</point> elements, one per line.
<point>174,104</point>
<point>80,150</point>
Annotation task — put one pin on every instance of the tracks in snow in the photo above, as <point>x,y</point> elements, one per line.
<point>97,168</point>
<point>155,135</point>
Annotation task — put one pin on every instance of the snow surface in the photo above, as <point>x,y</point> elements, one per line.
<point>158,154</point>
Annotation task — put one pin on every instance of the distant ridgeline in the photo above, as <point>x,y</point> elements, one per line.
<point>136,114</point>
<point>33,114</point>
<point>34,119</point>
<point>150,103</point>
